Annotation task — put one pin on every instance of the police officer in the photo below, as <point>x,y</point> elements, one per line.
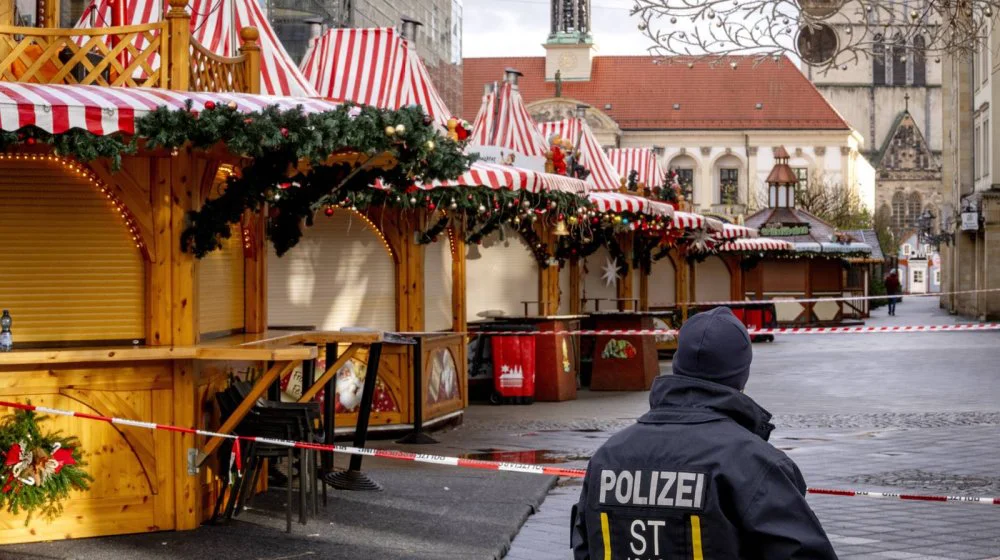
<point>695,478</point>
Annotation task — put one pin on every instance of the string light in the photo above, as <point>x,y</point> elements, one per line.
<point>375,229</point>
<point>87,174</point>
<point>451,240</point>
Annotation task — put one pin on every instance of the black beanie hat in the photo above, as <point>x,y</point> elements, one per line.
<point>714,346</point>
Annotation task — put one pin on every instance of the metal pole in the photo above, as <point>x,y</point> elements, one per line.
<point>353,478</point>
<point>417,436</point>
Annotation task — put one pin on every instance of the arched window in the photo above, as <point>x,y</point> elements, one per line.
<point>898,210</point>
<point>685,166</point>
<point>914,205</point>
<point>898,60</point>
<point>878,61</point>
<point>919,61</point>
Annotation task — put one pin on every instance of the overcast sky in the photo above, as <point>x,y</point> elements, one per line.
<point>519,27</point>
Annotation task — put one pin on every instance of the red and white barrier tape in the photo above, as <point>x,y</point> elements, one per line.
<point>841,298</point>
<point>898,329</point>
<point>451,461</point>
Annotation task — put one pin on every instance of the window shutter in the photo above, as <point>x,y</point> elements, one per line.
<point>220,287</point>
<point>69,269</point>
<point>505,274</point>
<point>711,280</point>
<point>339,275</point>
<point>594,285</point>
<point>437,285</point>
<point>662,287</point>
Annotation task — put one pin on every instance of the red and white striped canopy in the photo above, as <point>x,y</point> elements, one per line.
<point>504,121</point>
<point>216,25</point>
<point>688,220</point>
<point>733,231</point>
<point>375,66</point>
<point>57,108</point>
<point>621,202</point>
<point>482,127</point>
<point>757,244</point>
<point>603,174</point>
<point>642,160</point>
<point>496,176</point>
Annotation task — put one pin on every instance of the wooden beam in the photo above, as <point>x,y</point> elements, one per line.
<point>624,287</point>
<point>276,372</point>
<point>574,286</point>
<point>185,196</point>
<point>255,274</point>
<point>158,272</point>
<point>458,272</point>
<point>331,371</point>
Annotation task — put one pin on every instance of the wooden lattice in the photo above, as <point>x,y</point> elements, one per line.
<point>213,73</point>
<point>119,56</point>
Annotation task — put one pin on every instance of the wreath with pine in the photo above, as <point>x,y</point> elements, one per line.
<point>39,469</point>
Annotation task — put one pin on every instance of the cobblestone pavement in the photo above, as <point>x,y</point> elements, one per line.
<point>912,412</point>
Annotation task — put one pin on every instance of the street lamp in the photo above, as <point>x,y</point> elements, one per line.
<point>926,223</point>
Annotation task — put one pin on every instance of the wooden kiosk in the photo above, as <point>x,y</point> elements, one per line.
<point>112,316</point>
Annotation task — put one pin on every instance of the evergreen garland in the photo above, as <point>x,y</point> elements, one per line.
<point>39,469</point>
<point>535,244</point>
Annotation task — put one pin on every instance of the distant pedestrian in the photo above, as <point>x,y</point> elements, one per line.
<point>695,477</point>
<point>893,289</point>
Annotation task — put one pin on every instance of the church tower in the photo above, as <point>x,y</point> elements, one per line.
<point>570,47</point>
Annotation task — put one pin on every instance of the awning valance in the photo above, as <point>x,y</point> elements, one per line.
<point>620,202</point>
<point>56,108</point>
<point>755,244</point>
<point>496,176</point>
<point>733,231</point>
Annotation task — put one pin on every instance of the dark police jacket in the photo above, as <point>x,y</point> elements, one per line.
<point>695,479</point>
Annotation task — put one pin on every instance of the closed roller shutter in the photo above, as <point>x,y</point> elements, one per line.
<point>662,284</point>
<point>339,275</point>
<point>437,285</point>
<point>220,287</point>
<point>69,269</point>
<point>505,274</point>
<point>594,285</point>
<point>711,280</point>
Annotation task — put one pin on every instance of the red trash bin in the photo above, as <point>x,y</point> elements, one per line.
<point>513,369</point>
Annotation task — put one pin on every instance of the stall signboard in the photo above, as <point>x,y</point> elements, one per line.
<point>504,156</point>
<point>784,230</point>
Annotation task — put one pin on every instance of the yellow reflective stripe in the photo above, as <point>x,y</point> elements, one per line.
<point>606,533</point>
<point>696,537</point>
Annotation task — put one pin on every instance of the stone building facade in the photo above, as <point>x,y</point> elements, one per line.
<point>971,175</point>
<point>894,99</point>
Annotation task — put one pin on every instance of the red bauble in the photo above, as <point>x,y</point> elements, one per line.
<point>284,132</point>
<point>470,197</point>
<point>411,189</point>
<point>595,221</point>
<point>431,206</point>
<point>284,186</point>
<point>247,121</point>
<point>517,201</point>
<point>194,113</point>
<point>210,105</point>
<point>328,211</point>
<point>561,217</point>
<point>31,141</point>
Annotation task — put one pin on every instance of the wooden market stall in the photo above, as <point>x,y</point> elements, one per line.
<point>113,313</point>
<point>818,266</point>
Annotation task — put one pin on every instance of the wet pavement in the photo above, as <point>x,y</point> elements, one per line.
<point>916,413</point>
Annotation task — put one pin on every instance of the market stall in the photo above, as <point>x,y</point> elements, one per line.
<point>114,313</point>
<point>817,266</point>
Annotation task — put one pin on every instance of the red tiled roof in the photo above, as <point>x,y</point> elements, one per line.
<point>642,93</point>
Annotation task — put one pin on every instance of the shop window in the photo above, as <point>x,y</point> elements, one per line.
<point>729,180</point>
<point>918,276</point>
<point>907,249</point>
<point>937,276</point>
